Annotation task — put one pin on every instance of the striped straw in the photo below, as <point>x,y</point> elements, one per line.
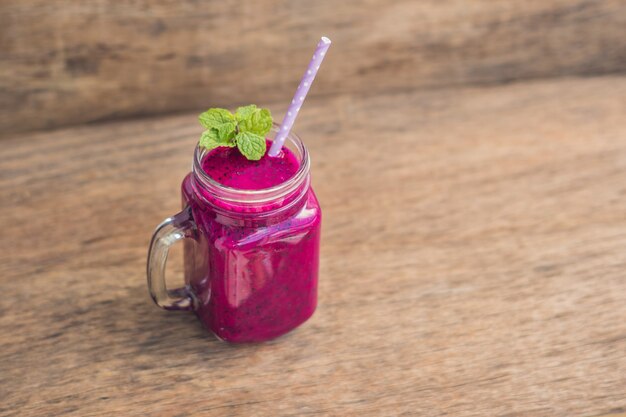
<point>298,98</point>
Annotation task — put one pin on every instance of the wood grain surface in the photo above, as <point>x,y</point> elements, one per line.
<point>473,264</point>
<point>69,62</point>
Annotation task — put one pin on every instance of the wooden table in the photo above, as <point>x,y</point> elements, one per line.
<point>473,264</point>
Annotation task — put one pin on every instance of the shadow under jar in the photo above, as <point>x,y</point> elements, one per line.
<point>251,256</point>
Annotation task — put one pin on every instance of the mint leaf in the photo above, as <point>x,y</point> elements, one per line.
<point>251,145</point>
<point>245,129</point>
<point>245,112</point>
<point>226,132</point>
<point>214,118</point>
<point>221,127</point>
<point>210,139</point>
<point>253,119</point>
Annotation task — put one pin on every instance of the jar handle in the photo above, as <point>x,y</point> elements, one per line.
<point>173,229</point>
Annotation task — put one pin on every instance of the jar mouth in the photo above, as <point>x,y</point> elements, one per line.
<point>224,192</point>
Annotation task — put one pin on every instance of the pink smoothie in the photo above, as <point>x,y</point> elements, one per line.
<point>229,167</point>
<point>254,269</point>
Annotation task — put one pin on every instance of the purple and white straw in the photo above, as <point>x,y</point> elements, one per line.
<point>298,98</point>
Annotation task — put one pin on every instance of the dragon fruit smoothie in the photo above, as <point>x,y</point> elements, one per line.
<point>250,224</point>
<point>253,268</point>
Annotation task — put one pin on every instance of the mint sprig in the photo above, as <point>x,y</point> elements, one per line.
<point>245,129</point>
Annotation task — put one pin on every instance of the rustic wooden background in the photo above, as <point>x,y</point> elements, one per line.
<point>469,156</point>
<point>68,62</point>
<point>473,264</point>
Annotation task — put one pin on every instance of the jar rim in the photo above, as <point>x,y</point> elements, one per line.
<point>231,194</point>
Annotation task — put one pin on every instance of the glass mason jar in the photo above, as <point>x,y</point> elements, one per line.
<point>251,256</point>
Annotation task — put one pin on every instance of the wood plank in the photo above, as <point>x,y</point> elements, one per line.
<point>69,62</point>
<point>472,264</point>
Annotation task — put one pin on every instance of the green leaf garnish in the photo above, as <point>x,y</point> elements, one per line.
<point>245,112</point>
<point>227,131</point>
<point>210,139</point>
<point>246,129</point>
<point>252,119</point>
<point>251,145</point>
<point>213,118</point>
